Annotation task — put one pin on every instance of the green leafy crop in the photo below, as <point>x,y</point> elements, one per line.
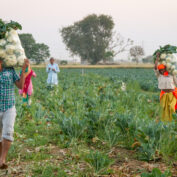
<point>168,49</point>
<point>5,27</point>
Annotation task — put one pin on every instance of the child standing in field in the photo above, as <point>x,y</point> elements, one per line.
<point>27,90</point>
<point>8,78</point>
<point>168,96</point>
<point>52,70</point>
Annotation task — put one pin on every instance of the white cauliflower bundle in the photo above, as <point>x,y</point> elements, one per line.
<point>11,50</point>
<point>168,57</point>
<point>170,61</point>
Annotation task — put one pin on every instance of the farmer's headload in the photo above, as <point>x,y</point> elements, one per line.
<point>168,57</point>
<point>11,51</point>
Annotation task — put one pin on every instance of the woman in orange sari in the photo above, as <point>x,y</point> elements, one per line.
<point>168,96</point>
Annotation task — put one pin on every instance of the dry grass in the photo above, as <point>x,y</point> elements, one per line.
<point>130,65</point>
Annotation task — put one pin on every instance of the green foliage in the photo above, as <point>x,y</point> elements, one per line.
<point>48,170</point>
<point>89,38</point>
<point>28,42</point>
<point>72,126</point>
<point>148,59</point>
<point>168,49</point>
<point>40,52</point>
<point>98,161</point>
<point>149,137</point>
<point>63,62</point>
<point>87,112</point>
<point>108,56</point>
<point>5,27</point>
<point>156,173</point>
<point>110,135</point>
<point>34,51</point>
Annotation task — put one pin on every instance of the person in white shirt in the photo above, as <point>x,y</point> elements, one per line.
<point>52,70</point>
<point>167,84</point>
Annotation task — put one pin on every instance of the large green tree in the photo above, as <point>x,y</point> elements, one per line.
<point>28,42</point>
<point>90,38</point>
<point>34,51</point>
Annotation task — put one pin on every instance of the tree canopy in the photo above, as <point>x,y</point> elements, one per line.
<point>90,38</point>
<point>34,51</point>
<point>136,52</point>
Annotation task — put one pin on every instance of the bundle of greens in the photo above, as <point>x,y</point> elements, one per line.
<point>11,51</point>
<point>168,57</point>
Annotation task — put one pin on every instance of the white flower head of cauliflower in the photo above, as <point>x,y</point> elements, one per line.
<point>10,49</point>
<point>2,53</point>
<point>10,60</point>
<point>174,72</point>
<point>2,42</point>
<point>20,60</point>
<point>163,56</point>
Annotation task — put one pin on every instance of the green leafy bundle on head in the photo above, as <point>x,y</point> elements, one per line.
<point>167,49</point>
<point>167,57</point>
<point>5,27</point>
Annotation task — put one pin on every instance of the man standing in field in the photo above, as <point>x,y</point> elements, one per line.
<point>52,70</point>
<point>8,77</point>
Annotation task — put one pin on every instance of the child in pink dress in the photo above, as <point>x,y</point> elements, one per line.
<point>29,89</point>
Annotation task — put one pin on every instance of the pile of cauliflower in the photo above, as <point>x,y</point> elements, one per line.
<point>170,61</point>
<point>11,51</point>
<point>168,57</point>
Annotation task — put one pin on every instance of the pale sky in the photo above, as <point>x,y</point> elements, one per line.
<point>148,22</point>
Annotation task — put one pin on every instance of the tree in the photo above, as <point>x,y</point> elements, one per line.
<point>108,56</point>
<point>136,52</point>
<point>40,52</point>
<point>63,62</point>
<point>119,44</point>
<point>89,38</point>
<point>148,59</point>
<point>28,42</point>
<point>35,51</point>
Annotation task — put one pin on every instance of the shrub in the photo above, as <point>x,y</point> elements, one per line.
<point>63,62</point>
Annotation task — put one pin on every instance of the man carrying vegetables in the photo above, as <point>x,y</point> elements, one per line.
<point>8,78</point>
<point>167,83</point>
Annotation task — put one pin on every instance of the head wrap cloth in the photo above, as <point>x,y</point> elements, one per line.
<point>161,66</point>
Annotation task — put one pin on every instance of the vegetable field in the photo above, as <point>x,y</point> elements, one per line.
<point>93,125</point>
